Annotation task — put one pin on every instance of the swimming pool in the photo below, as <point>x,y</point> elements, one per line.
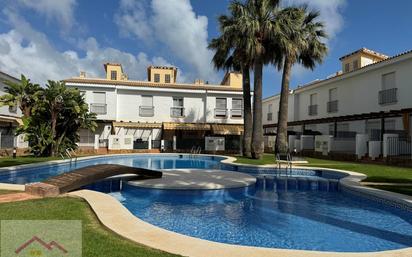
<point>264,215</point>
<point>274,217</point>
<point>149,161</point>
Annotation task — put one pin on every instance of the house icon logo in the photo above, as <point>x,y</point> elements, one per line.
<point>53,245</point>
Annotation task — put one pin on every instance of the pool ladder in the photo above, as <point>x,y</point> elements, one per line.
<point>69,153</point>
<point>195,150</point>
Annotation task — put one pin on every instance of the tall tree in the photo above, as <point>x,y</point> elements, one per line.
<point>256,22</point>
<point>229,55</point>
<point>20,94</point>
<point>57,115</point>
<point>301,41</point>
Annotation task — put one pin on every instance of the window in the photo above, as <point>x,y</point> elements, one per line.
<point>147,100</point>
<point>113,75</point>
<point>333,100</point>
<point>237,107</point>
<point>270,114</point>
<point>221,107</point>
<point>388,81</point>
<point>388,94</point>
<point>157,78</point>
<point>347,67</point>
<point>313,107</point>
<point>99,103</point>
<point>178,107</point>
<point>355,64</point>
<point>167,78</point>
<point>146,108</point>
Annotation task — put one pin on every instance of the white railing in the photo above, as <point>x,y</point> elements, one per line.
<point>98,108</point>
<point>146,111</point>
<point>177,111</point>
<point>237,113</point>
<point>220,113</point>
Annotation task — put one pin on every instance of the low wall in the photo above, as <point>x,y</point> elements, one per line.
<point>19,152</point>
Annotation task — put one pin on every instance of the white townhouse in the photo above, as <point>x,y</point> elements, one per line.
<point>10,119</point>
<point>355,109</point>
<point>160,111</point>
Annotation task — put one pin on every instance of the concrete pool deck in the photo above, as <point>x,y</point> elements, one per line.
<point>192,179</point>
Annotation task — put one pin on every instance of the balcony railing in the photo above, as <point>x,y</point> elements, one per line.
<point>332,106</point>
<point>236,113</point>
<point>177,112</point>
<point>313,110</point>
<point>220,113</point>
<point>146,111</point>
<point>99,109</point>
<point>388,96</point>
<point>270,116</point>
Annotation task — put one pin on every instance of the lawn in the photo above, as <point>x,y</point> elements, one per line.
<point>97,241</point>
<point>9,161</point>
<point>374,172</point>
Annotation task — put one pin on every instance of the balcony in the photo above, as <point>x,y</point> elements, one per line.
<point>332,106</point>
<point>388,96</point>
<point>177,112</point>
<point>220,113</point>
<point>313,110</point>
<point>236,113</point>
<point>146,111</point>
<point>99,109</point>
<point>270,116</point>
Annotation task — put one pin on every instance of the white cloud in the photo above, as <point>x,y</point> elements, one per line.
<point>25,50</point>
<point>330,11</point>
<point>60,10</point>
<point>176,27</point>
<point>131,19</point>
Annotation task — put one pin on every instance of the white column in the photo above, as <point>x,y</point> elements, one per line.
<point>361,145</point>
<point>174,143</point>
<point>96,141</point>
<point>150,142</point>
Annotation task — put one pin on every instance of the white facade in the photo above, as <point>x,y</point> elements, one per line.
<point>118,102</point>
<point>379,87</point>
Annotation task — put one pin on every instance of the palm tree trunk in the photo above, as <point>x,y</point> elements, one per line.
<point>257,137</point>
<point>281,145</point>
<point>53,151</point>
<point>247,120</point>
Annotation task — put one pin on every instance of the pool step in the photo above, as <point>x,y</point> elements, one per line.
<point>285,183</point>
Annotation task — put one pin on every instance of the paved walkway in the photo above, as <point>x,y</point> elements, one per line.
<point>16,197</point>
<point>183,179</point>
<point>385,184</point>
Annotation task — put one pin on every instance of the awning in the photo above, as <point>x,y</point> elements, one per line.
<point>138,125</point>
<point>227,129</point>
<point>9,119</point>
<point>185,126</point>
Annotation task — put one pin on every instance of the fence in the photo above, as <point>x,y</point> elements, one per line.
<point>399,147</point>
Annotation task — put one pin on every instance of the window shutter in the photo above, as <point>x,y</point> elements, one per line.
<point>236,103</point>
<point>147,101</point>
<point>221,103</point>
<point>388,81</point>
<point>99,97</point>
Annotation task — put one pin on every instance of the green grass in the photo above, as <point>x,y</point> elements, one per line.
<point>9,161</point>
<point>97,241</point>
<point>374,172</point>
<point>406,190</point>
<point>267,159</point>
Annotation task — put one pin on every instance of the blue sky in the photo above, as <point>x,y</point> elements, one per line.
<point>55,39</point>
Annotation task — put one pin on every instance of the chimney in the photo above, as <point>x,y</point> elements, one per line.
<point>82,74</point>
<point>199,82</point>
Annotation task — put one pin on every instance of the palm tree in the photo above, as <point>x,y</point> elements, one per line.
<point>255,21</point>
<point>300,42</point>
<point>230,55</point>
<point>21,94</point>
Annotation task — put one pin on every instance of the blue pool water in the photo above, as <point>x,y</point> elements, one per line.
<point>294,217</point>
<point>157,162</point>
<point>254,216</point>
